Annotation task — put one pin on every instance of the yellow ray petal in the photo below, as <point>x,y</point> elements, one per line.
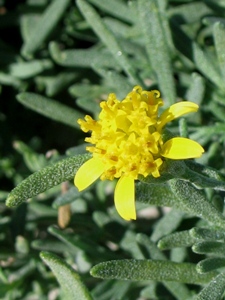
<point>124,198</point>
<point>181,148</point>
<point>177,110</point>
<point>88,173</point>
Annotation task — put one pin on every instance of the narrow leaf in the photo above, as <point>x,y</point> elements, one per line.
<point>167,224</point>
<point>138,270</point>
<point>53,246</point>
<point>192,50</point>
<point>177,239</point>
<point>178,289</point>
<point>25,271</point>
<point>10,80</point>
<point>57,83</point>
<point>196,90</point>
<point>71,284</point>
<point>34,161</point>
<point>50,108</point>
<point>116,8</point>
<point>45,179</point>
<point>188,13</point>
<point>108,39</point>
<point>66,198</point>
<point>206,170</point>
<point>156,194</point>
<point>24,70</point>
<point>157,47</point>
<point>207,234</point>
<point>209,247</point>
<point>219,38</point>
<point>194,201</point>
<point>210,264</point>
<point>78,243</point>
<point>44,27</point>
<point>83,58</point>
<point>214,290</point>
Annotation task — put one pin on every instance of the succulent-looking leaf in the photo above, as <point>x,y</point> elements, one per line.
<point>50,108</point>
<point>214,290</point>
<point>45,179</point>
<point>157,47</point>
<point>138,270</point>
<point>194,201</point>
<point>178,289</point>
<point>209,247</point>
<point>176,239</point>
<point>44,27</point>
<point>70,281</point>
<point>207,234</point>
<point>210,264</point>
<point>108,39</point>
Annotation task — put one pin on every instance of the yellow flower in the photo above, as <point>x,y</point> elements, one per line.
<point>128,142</point>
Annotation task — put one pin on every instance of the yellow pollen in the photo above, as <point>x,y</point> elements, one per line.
<point>125,137</point>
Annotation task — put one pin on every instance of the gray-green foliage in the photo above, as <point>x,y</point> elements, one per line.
<point>59,59</point>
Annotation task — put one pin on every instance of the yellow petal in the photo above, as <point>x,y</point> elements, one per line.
<point>177,110</point>
<point>181,148</point>
<point>88,173</point>
<point>124,198</point>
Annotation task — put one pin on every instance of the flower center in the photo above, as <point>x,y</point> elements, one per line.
<point>125,137</point>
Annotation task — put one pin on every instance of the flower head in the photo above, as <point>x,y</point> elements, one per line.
<point>127,142</point>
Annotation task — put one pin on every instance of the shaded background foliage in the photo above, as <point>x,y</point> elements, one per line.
<point>58,60</point>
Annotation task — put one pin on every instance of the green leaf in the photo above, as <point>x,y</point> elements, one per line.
<point>138,270</point>
<point>116,82</point>
<point>116,8</point>
<point>209,247</point>
<point>206,171</point>
<point>196,54</point>
<point>69,280</point>
<point>179,290</point>
<point>83,58</point>
<point>157,47</point>
<point>167,224</point>
<point>67,197</point>
<point>10,80</point>
<point>219,38</point>
<point>201,177</point>
<point>73,244</point>
<point>214,290</point>
<point>50,108</point>
<point>217,109</point>
<point>189,12</point>
<point>44,27</point>
<point>23,272</point>
<point>77,243</point>
<point>33,160</point>
<point>57,83</point>
<point>151,250</point>
<point>48,245</point>
<point>45,179</point>
<point>201,181</point>
<point>130,245</point>
<point>113,290</point>
<point>196,90</point>
<point>195,202</point>
<point>108,39</point>
<point>24,70</point>
<point>206,133</point>
<point>177,239</point>
<point>210,264</point>
<point>156,194</point>
<point>207,234</point>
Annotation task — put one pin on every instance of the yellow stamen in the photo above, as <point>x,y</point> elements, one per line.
<point>127,142</point>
